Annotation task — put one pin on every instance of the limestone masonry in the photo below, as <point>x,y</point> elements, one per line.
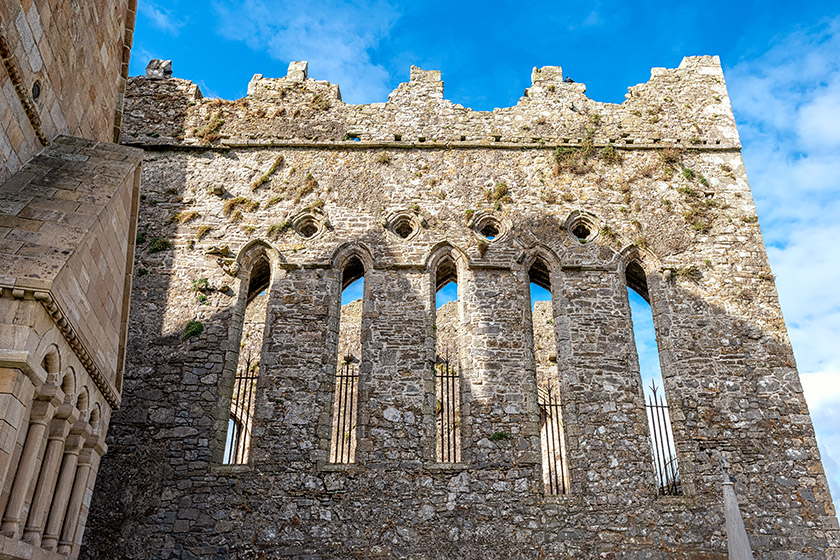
<point>260,418</point>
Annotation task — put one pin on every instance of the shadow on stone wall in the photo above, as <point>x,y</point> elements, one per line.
<point>137,466</point>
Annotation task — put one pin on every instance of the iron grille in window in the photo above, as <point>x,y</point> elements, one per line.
<point>662,445</point>
<point>448,410</point>
<point>343,441</point>
<point>553,445</point>
<point>241,413</point>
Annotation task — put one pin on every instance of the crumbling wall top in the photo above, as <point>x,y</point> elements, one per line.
<point>685,106</point>
<point>159,69</point>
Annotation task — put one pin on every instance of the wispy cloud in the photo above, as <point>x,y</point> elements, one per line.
<point>140,58</point>
<point>206,91</point>
<point>787,103</point>
<point>594,16</point>
<point>336,39</point>
<point>162,18</point>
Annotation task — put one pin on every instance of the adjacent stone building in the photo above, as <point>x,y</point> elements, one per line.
<point>68,215</point>
<point>288,196</point>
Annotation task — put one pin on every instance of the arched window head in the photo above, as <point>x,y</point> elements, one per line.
<point>637,280</point>
<point>353,270</point>
<point>540,274</point>
<point>260,278</point>
<point>446,272</point>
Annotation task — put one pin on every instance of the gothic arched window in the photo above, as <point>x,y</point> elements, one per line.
<point>244,390</point>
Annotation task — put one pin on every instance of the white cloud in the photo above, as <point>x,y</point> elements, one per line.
<point>206,91</point>
<point>160,17</point>
<point>140,58</point>
<point>827,425</point>
<point>821,389</point>
<point>336,38</point>
<point>819,123</point>
<point>787,103</point>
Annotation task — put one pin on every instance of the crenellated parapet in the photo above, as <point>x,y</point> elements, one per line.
<point>686,106</point>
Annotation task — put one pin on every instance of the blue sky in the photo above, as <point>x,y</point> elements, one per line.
<point>781,62</point>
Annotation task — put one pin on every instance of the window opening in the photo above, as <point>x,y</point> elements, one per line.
<point>244,391</point>
<point>308,227</point>
<point>552,440</point>
<point>403,227</point>
<point>656,406</point>
<point>238,440</point>
<point>233,433</point>
<point>345,401</point>
<point>489,231</point>
<point>447,364</point>
<point>581,232</point>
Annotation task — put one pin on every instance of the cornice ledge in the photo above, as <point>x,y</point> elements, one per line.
<point>46,299</point>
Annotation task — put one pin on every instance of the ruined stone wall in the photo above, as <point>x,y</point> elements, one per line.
<point>446,329</point>
<point>77,53</point>
<point>545,345</point>
<point>293,172</point>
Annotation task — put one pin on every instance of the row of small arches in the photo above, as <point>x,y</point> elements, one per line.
<point>406,224</point>
<point>67,380</point>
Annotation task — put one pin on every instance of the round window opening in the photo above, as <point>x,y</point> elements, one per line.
<point>582,232</point>
<point>36,90</point>
<point>489,231</point>
<point>489,228</point>
<point>308,227</point>
<point>403,228</point>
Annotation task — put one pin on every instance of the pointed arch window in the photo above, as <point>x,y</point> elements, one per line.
<point>656,406</point>
<point>447,363</point>
<point>244,391</point>
<point>552,437</point>
<point>343,438</point>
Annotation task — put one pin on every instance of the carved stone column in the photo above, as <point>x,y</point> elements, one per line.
<point>88,460</point>
<point>65,417</point>
<point>42,410</point>
<point>100,449</point>
<point>16,393</point>
<point>78,434</point>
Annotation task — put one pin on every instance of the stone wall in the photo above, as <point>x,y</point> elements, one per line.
<point>322,188</point>
<point>77,53</point>
<point>350,332</point>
